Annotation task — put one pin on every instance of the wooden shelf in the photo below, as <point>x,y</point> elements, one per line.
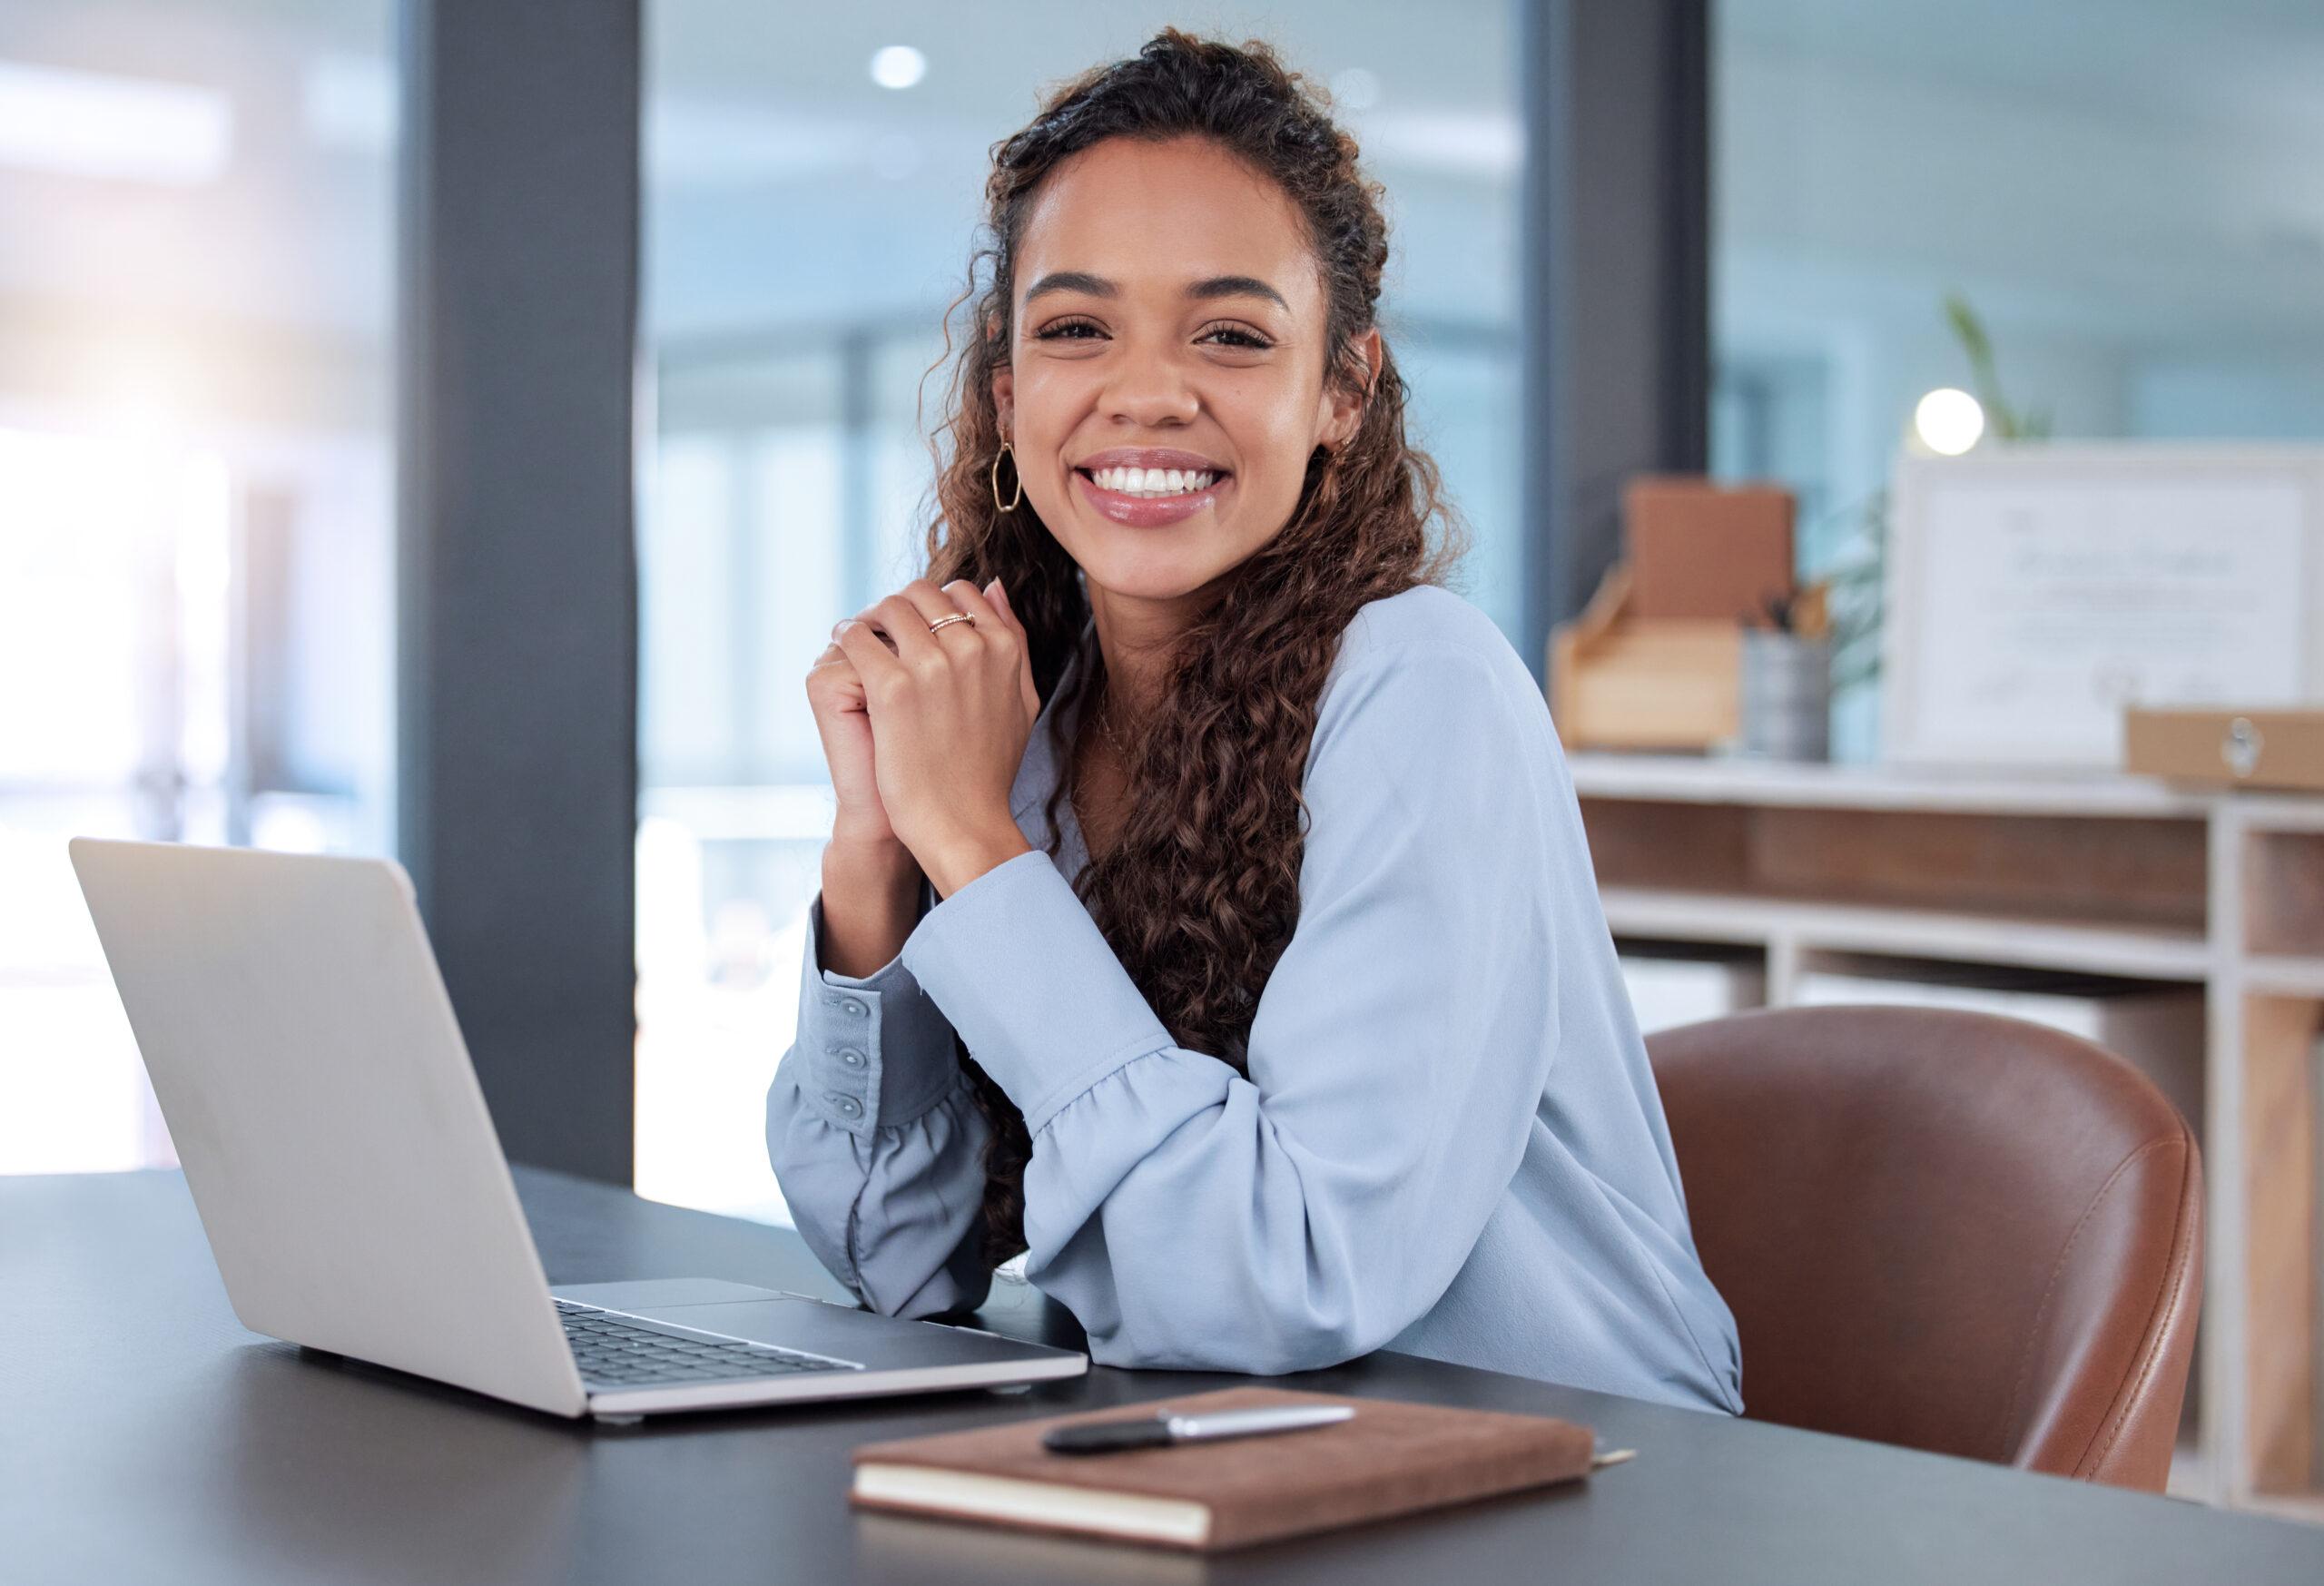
<point>2011,872</point>
<point>2137,952</point>
<point>2273,974</point>
<point>1793,784</point>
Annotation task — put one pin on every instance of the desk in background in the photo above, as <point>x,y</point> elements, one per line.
<point>1809,868</point>
<point>147,1436</point>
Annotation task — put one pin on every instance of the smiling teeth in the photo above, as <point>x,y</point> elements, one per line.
<point>1150,482</point>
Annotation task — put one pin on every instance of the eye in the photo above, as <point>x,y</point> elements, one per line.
<point>1243,338</point>
<point>1055,331</point>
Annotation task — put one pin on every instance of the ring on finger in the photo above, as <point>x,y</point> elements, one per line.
<point>956,616</point>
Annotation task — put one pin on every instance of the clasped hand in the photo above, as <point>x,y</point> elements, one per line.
<point>925,731</point>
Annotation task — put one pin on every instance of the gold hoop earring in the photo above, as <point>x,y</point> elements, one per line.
<point>1010,505</point>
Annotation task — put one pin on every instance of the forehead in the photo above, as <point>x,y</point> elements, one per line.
<point>1152,217</point>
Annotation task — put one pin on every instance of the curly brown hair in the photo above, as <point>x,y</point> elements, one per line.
<point>1199,894</point>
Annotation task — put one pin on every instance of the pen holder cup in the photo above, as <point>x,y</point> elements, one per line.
<point>1785,704</point>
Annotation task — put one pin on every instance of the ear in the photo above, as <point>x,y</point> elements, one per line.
<point>1004,398</point>
<point>1344,413</point>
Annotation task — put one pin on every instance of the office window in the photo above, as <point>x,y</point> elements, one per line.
<point>2125,195</point>
<point>195,603</point>
<point>805,227</point>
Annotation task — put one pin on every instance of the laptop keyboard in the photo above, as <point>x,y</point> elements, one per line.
<point>610,1348</point>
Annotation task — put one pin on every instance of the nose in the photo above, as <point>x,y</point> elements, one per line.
<point>1148,387</point>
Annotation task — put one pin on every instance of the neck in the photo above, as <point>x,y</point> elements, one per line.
<point>1137,636</point>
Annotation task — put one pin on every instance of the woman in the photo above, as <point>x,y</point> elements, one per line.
<point>1324,1047</point>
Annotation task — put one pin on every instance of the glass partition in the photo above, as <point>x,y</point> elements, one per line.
<point>196,226</point>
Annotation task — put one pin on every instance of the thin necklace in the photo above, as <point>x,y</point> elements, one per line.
<point>1103,716</point>
<point>1106,725</point>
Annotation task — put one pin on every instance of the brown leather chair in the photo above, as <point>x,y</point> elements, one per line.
<point>1950,1230</point>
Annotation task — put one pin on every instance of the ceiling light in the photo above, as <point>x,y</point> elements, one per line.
<point>1948,421</point>
<point>898,66</point>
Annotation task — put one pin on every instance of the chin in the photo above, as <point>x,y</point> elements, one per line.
<point>1142,564</point>
<point>1148,577</point>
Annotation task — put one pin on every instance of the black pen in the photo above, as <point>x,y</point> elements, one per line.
<point>1165,1427</point>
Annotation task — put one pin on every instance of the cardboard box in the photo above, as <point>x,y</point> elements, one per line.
<point>1621,680</point>
<point>2224,747</point>
<point>1617,681</point>
<point>1700,551</point>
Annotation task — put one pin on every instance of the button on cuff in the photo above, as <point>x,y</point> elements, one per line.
<point>881,1041</point>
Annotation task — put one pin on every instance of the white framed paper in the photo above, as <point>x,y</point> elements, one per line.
<point>2033,591</point>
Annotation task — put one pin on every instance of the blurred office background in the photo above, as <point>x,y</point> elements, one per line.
<point>199,258</point>
<point>197,239</point>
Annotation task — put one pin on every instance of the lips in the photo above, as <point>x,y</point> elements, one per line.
<point>1148,511</point>
<point>1139,505</point>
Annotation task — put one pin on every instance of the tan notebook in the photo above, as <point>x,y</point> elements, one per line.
<point>1391,1458</point>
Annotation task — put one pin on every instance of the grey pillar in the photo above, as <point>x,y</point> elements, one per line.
<point>516,574</point>
<point>1616,271</point>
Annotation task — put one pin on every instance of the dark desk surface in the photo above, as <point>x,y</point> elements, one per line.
<point>145,1435</point>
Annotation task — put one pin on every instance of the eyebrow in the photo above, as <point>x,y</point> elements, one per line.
<point>1217,286</point>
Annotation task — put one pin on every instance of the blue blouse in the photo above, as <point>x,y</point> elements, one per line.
<point>1448,1143</point>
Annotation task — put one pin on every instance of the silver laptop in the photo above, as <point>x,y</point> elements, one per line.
<point>352,1188</point>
